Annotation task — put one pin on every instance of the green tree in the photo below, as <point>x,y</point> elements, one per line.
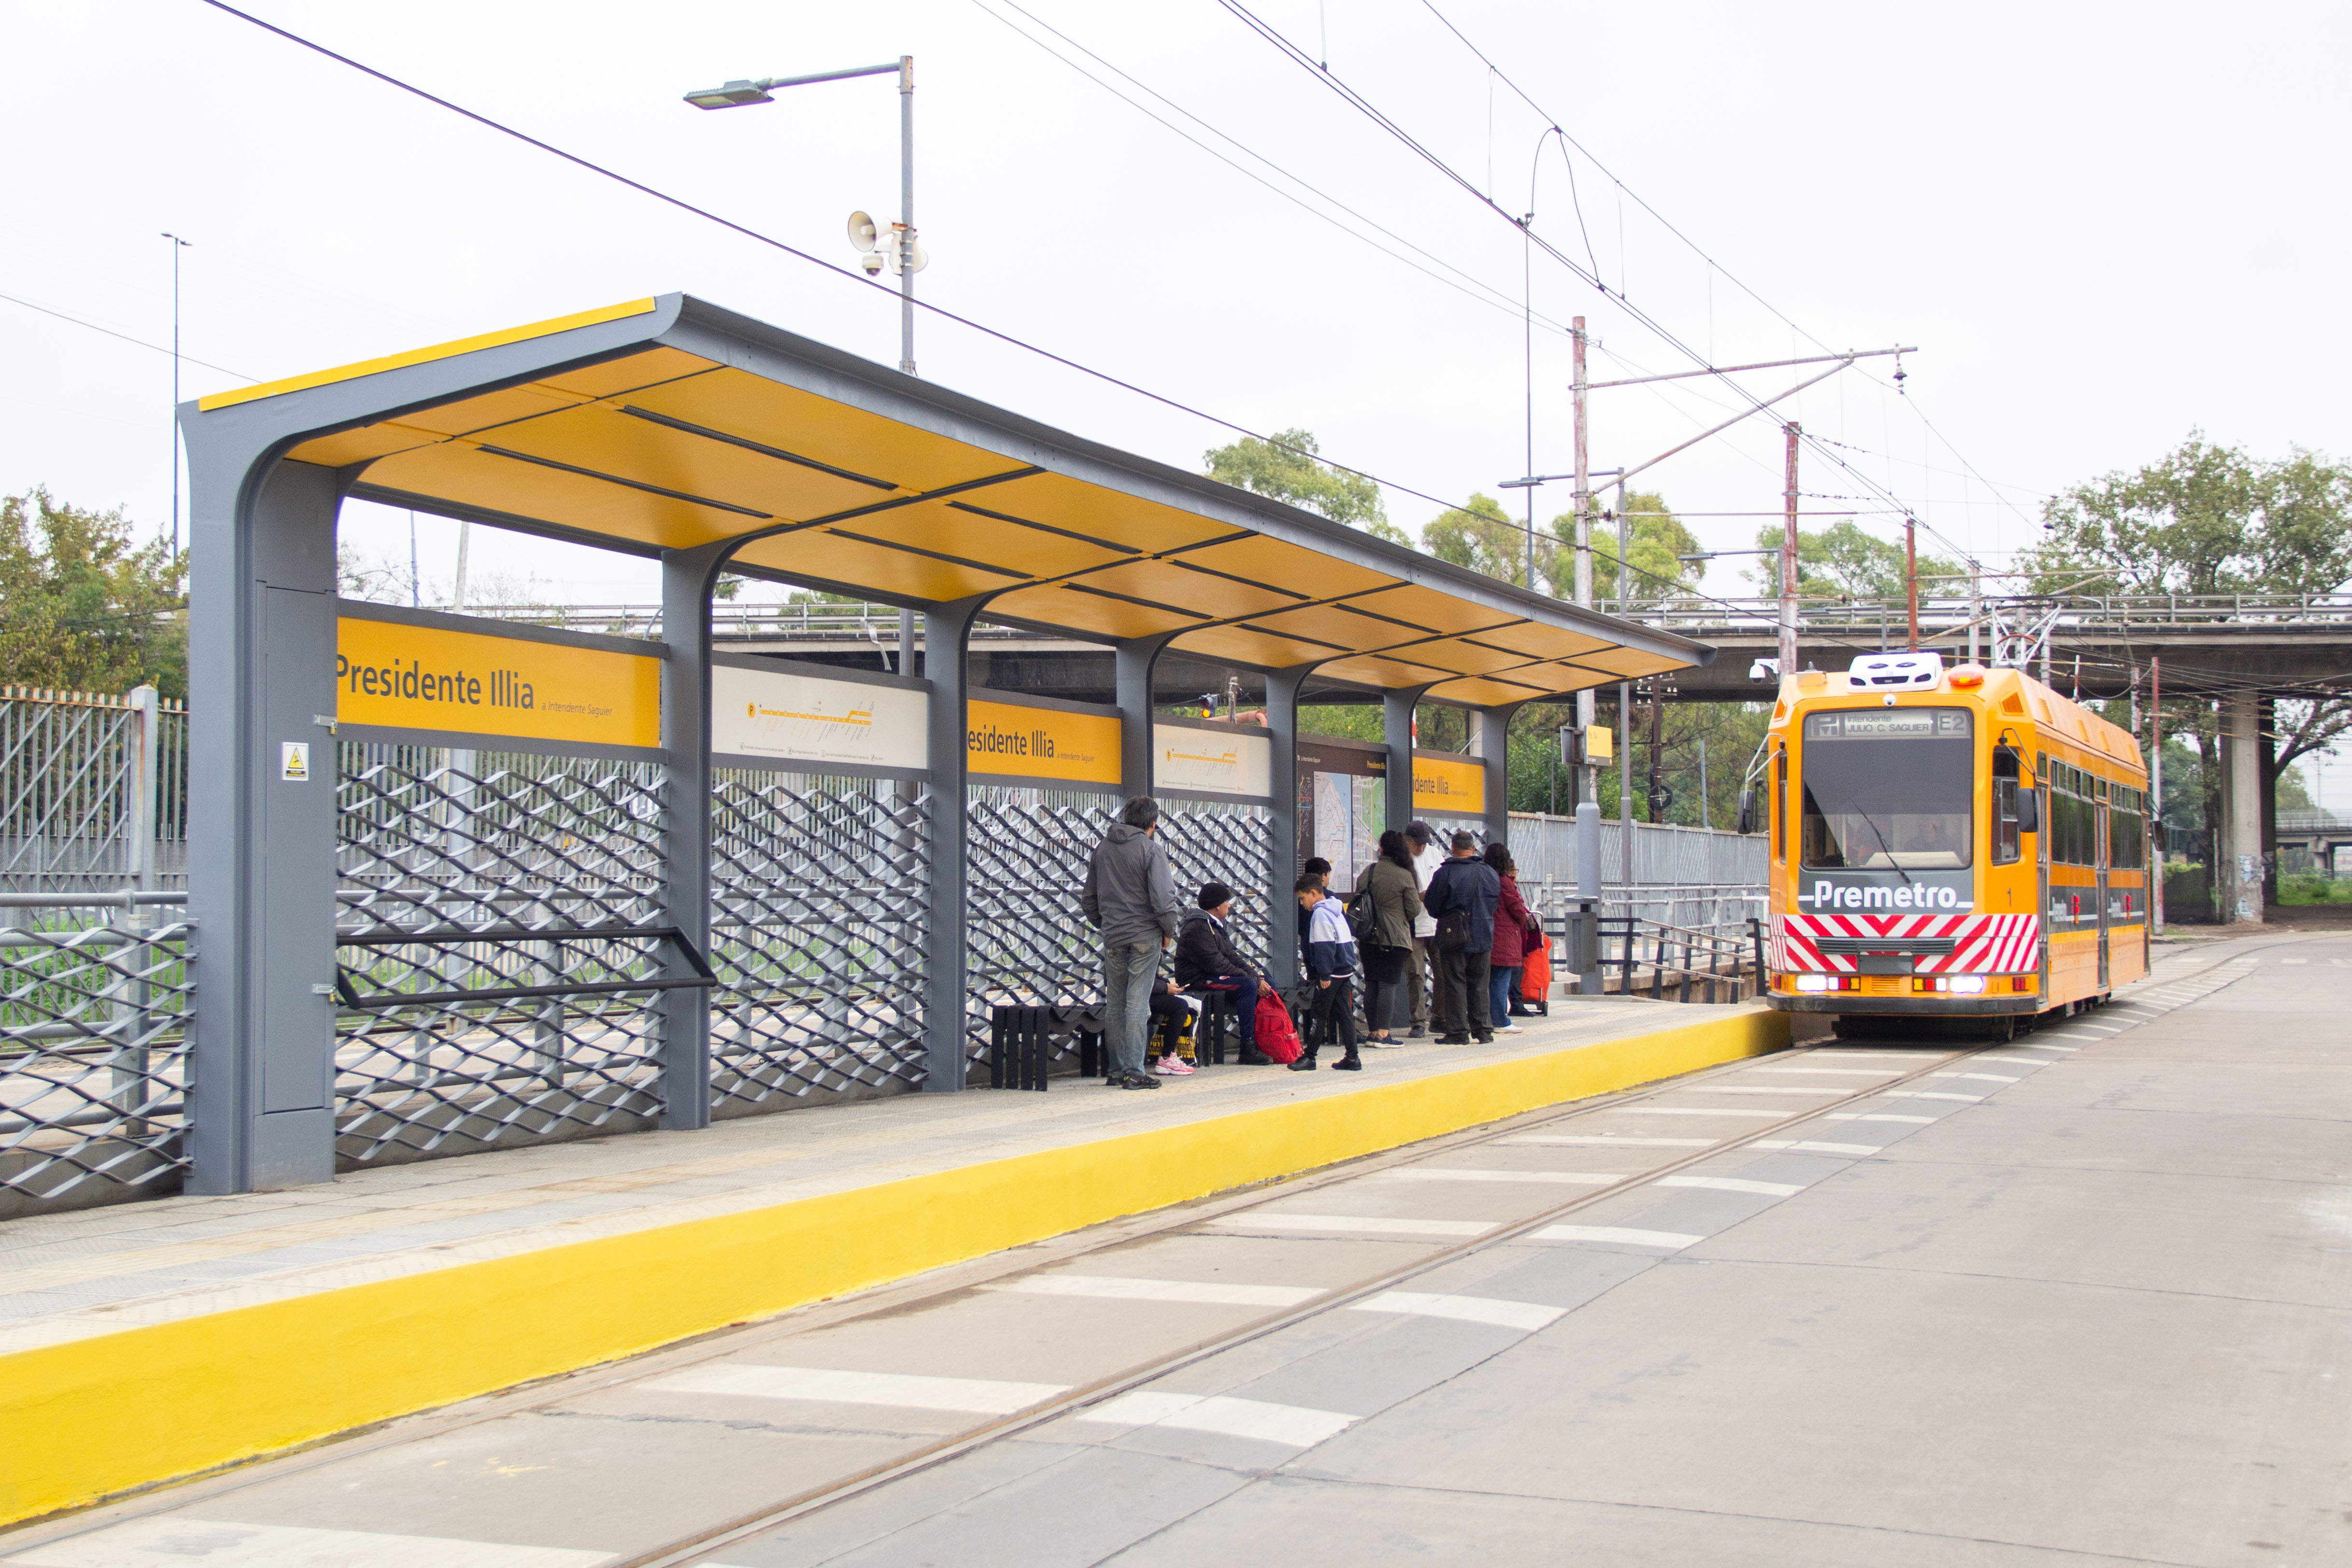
<point>1482,537</point>
<point>2202,520</point>
<point>1845,560</point>
<point>82,608</point>
<point>1655,539</point>
<point>1285,468</point>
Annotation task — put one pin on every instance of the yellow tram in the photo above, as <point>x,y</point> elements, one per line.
<point>1960,843</point>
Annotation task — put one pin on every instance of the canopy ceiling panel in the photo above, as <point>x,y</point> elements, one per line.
<point>669,424</point>
<point>1074,607</point>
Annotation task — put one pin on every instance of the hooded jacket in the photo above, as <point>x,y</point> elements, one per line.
<point>1330,950</point>
<point>1203,952</point>
<point>1130,893</point>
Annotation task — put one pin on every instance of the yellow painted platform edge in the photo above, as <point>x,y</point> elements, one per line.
<point>93,1419</point>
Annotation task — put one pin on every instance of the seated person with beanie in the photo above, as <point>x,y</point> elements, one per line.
<point>1206,960</point>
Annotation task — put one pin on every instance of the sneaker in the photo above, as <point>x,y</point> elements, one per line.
<point>1134,1080</point>
<point>1452,1039</point>
<point>1173,1066</point>
<point>1506,1028</point>
<point>1418,1032</point>
<point>1347,1064</point>
<point>1487,1037</point>
<point>1304,1064</point>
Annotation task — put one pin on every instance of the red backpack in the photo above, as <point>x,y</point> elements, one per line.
<point>1276,1039</point>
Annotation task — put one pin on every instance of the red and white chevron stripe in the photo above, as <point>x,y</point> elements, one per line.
<point>1981,944</point>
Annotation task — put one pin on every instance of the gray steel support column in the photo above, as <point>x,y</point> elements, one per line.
<point>1282,688</point>
<point>687,578</point>
<point>261,844</point>
<point>946,636</point>
<point>1131,663</point>
<point>2241,825</point>
<point>1493,745</point>
<point>1396,729</point>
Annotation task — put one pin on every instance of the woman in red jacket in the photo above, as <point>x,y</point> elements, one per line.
<point>1513,926</point>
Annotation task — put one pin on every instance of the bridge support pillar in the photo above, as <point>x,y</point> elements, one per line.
<point>2240,862</point>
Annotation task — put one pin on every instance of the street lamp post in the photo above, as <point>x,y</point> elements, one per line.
<point>178,245</point>
<point>905,255</point>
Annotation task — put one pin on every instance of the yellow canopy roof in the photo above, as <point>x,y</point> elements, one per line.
<point>702,426</point>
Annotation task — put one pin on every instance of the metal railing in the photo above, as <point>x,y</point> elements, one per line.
<point>93,790</point>
<point>1939,614</point>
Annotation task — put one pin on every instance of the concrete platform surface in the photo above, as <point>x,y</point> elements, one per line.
<point>2082,1299</point>
<point>139,1327</point>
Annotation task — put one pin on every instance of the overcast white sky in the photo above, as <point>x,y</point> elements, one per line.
<point>2103,225</point>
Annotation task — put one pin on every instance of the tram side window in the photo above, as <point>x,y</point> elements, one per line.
<point>1780,805</point>
<point>2127,830</point>
<point>2006,843</point>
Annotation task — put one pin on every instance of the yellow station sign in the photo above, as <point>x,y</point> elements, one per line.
<point>1449,788</point>
<point>426,678</point>
<point>1041,742</point>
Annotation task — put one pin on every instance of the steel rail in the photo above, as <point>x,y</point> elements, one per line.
<point>894,1300</point>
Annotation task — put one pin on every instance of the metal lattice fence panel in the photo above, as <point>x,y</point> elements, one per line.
<point>1228,844</point>
<point>821,909</point>
<point>467,872</point>
<point>1026,938</point>
<point>93,1063</point>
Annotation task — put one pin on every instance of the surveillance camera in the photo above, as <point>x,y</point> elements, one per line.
<point>1764,669</point>
<point>873,261</point>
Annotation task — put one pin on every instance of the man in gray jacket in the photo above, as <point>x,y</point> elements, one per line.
<point>1130,898</point>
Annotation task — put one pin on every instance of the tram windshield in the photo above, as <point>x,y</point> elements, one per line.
<point>1887,789</point>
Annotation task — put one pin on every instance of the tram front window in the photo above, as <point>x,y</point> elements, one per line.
<point>1887,789</point>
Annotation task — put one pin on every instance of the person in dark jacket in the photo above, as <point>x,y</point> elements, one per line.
<point>1332,967</point>
<point>1514,927</point>
<point>1206,960</point>
<point>1130,898</point>
<point>1395,891</point>
<point>1466,889</point>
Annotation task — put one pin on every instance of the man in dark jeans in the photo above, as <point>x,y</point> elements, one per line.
<point>1462,897</point>
<point>1206,960</point>
<point>1130,898</point>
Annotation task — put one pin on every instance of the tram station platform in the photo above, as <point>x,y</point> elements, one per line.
<point>146,1343</point>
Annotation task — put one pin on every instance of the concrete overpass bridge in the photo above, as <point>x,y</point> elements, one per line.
<point>2095,644</point>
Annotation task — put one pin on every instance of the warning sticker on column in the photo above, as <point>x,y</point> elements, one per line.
<point>294,761</point>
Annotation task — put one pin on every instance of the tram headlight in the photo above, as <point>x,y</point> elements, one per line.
<point>1816,982</point>
<point>1967,985</point>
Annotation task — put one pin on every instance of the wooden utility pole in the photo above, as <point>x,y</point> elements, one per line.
<point>1788,562</point>
<point>1911,576</point>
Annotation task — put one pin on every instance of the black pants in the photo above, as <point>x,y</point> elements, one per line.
<point>1463,992</point>
<point>1384,977</point>
<point>1335,1017</point>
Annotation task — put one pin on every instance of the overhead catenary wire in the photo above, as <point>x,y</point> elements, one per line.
<point>126,337</point>
<point>845,274</point>
<point>998,334</point>
<point>1468,284</point>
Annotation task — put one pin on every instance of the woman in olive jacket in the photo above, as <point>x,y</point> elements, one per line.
<point>1396,904</point>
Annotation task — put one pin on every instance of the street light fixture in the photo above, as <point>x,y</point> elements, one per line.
<point>902,255</point>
